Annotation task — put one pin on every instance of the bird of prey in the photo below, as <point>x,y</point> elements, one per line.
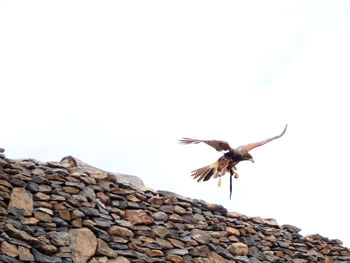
<point>227,162</point>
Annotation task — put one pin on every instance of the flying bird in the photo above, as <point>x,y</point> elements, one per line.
<point>227,162</point>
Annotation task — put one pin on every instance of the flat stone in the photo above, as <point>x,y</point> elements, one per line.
<point>9,249</point>
<point>160,231</point>
<point>120,231</point>
<point>233,231</point>
<point>174,258</point>
<point>104,250</point>
<point>160,216</point>
<point>21,199</point>
<point>70,190</point>
<point>21,235</point>
<point>41,216</point>
<point>41,197</point>
<point>201,236</point>
<point>138,217</point>
<point>48,249</point>
<point>238,249</point>
<point>83,244</point>
<point>177,251</point>
<point>89,211</point>
<point>200,251</point>
<point>24,254</point>
<point>59,239</point>
<point>39,257</point>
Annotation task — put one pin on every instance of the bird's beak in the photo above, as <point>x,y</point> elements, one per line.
<point>251,159</point>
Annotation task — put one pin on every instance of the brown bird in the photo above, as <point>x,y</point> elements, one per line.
<point>227,162</point>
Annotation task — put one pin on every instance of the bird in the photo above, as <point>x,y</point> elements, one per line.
<point>228,161</point>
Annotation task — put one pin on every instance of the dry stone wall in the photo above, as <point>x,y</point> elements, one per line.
<point>51,213</point>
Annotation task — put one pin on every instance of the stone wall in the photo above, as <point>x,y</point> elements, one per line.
<point>51,213</point>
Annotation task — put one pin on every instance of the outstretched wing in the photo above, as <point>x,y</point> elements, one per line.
<point>217,145</point>
<point>251,146</point>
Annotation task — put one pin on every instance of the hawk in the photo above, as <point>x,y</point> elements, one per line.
<point>227,162</point>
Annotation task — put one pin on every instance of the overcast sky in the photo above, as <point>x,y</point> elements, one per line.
<point>117,83</point>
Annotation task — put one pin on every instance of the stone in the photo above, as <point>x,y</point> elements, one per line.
<point>83,244</point>
<point>21,199</point>
<point>21,235</point>
<point>200,251</point>
<point>160,231</point>
<point>104,250</point>
<point>201,236</point>
<point>48,249</point>
<point>233,231</point>
<point>41,216</point>
<point>174,258</point>
<point>160,216</point>
<point>120,231</point>
<point>119,259</point>
<point>9,249</point>
<point>59,239</point>
<point>70,190</point>
<point>238,249</point>
<point>176,243</point>
<point>41,197</point>
<point>138,217</point>
<point>177,251</point>
<point>39,257</point>
<point>24,254</point>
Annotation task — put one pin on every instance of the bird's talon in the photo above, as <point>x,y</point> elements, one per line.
<point>236,175</point>
<point>219,182</point>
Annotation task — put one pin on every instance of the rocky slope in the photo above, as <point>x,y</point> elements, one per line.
<point>59,212</point>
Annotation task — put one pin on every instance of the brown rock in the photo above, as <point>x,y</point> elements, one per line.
<point>78,222</point>
<point>174,258</point>
<point>233,231</point>
<point>215,258</point>
<point>29,220</point>
<point>64,214</point>
<point>104,250</point>
<point>160,216</point>
<point>9,249</point>
<point>164,244</point>
<point>119,259</point>
<point>156,253</point>
<point>177,243</point>
<point>24,254</point>
<point>70,190</point>
<point>41,197</point>
<point>238,249</point>
<point>138,217</point>
<point>120,231</point>
<point>155,200</point>
<point>42,216</point>
<point>21,199</point>
<point>83,244</point>
<point>103,197</point>
<point>48,249</point>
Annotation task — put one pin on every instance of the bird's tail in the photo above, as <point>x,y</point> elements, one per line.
<point>206,172</point>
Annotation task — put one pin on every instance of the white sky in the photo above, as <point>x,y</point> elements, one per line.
<point>117,83</point>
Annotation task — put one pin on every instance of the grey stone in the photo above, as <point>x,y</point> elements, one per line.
<point>176,251</point>
<point>59,239</point>
<point>89,211</point>
<point>201,236</point>
<point>39,257</point>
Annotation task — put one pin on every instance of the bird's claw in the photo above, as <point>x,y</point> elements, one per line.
<point>236,175</point>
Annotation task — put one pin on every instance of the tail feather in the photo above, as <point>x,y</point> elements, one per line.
<point>206,172</point>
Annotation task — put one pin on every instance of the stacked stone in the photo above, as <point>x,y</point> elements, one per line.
<point>49,213</point>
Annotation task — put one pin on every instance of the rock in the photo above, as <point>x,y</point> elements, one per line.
<point>59,239</point>
<point>119,259</point>
<point>22,200</point>
<point>200,251</point>
<point>39,257</point>
<point>160,216</point>
<point>9,249</point>
<point>174,258</point>
<point>177,251</point>
<point>215,258</point>
<point>104,250</point>
<point>201,236</point>
<point>160,231</point>
<point>41,216</point>
<point>138,217</point>
<point>120,231</point>
<point>83,244</point>
<point>238,249</point>
<point>24,254</point>
<point>233,231</point>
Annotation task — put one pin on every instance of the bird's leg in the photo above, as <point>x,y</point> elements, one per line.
<point>219,180</point>
<point>236,175</point>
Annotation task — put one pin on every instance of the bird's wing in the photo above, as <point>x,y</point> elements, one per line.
<point>251,146</point>
<point>217,145</point>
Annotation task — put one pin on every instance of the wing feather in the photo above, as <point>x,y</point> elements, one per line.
<point>251,146</point>
<point>217,145</point>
